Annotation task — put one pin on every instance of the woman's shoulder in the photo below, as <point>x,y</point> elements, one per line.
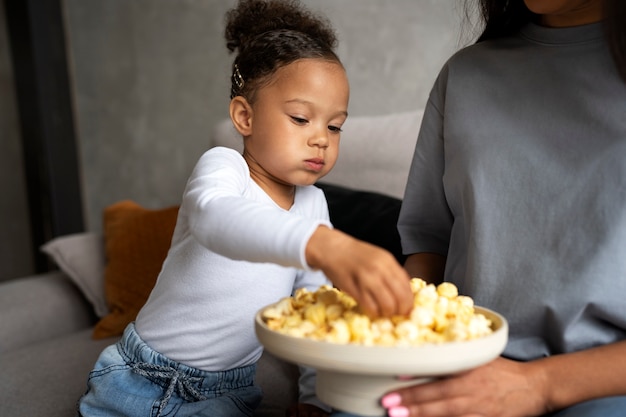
<point>469,55</point>
<point>478,60</point>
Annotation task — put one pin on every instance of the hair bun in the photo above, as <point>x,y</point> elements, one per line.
<point>250,18</point>
<point>269,34</point>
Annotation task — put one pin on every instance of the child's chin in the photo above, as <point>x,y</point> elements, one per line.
<point>309,180</point>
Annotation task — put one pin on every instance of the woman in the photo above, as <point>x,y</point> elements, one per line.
<point>517,195</point>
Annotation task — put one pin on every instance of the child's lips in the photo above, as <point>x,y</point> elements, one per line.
<point>316,164</point>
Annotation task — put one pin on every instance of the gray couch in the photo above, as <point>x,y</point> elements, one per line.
<point>46,320</point>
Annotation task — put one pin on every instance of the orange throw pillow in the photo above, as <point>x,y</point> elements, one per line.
<point>136,244</point>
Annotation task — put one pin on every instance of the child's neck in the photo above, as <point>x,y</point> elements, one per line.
<point>282,194</point>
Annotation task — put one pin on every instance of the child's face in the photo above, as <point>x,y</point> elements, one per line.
<point>296,122</point>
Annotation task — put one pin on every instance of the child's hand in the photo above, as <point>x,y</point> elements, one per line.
<point>305,410</point>
<point>366,272</point>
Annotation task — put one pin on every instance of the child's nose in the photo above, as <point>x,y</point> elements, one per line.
<point>320,138</point>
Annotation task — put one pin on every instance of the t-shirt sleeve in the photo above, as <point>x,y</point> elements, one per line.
<point>425,220</point>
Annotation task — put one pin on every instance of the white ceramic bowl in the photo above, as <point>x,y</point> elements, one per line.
<point>353,378</point>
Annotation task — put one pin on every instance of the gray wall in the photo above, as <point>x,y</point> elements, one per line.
<point>150,80</point>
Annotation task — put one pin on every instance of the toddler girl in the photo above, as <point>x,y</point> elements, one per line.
<point>251,228</point>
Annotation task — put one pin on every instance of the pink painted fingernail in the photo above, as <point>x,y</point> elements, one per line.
<point>398,412</point>
<point>391,400</point>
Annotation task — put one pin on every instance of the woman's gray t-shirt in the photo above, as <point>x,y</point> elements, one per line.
<point>519,178</point>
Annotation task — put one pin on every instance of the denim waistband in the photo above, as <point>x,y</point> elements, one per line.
<point>152,364</point>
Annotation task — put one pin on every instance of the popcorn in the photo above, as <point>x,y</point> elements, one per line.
<point>339,332</point>
<point>439,315</point>
<point>448,290</point>
<point>315,313</point>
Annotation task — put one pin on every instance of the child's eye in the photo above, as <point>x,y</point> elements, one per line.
<point>335,129</point>
<point>299,120</point>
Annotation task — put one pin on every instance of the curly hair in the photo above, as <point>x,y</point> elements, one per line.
<point>269,34</point>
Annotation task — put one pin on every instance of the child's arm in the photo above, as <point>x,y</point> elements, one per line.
<point>224,221</point>
<point>368,273</point>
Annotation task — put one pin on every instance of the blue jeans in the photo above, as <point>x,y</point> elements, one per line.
<point>604,407</point>
<point>130,379</point>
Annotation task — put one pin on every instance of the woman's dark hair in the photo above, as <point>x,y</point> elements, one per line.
<point>269,34</point>
<point>506,17</point>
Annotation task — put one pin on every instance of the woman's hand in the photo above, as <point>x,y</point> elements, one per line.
<point>366,272</point>
<point>502,388</point>
<point>506,388</point>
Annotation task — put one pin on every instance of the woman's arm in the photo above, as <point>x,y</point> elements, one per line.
<point>516,389</point>
<point>427,266</point>
<point>585,375</point>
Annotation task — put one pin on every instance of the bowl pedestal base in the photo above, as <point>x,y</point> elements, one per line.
<point>358,394</point>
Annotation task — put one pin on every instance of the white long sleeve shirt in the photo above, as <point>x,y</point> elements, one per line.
<point>234,250</point>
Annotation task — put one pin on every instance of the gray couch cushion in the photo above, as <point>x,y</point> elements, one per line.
<point>46,379</point>
<point>40,307</point>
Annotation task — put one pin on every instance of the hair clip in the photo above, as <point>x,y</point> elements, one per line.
<point>237,80</point>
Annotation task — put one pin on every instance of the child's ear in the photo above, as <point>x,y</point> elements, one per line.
<point>241,115</point>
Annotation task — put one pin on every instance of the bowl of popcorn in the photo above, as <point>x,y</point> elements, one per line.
<point>358,359</point>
